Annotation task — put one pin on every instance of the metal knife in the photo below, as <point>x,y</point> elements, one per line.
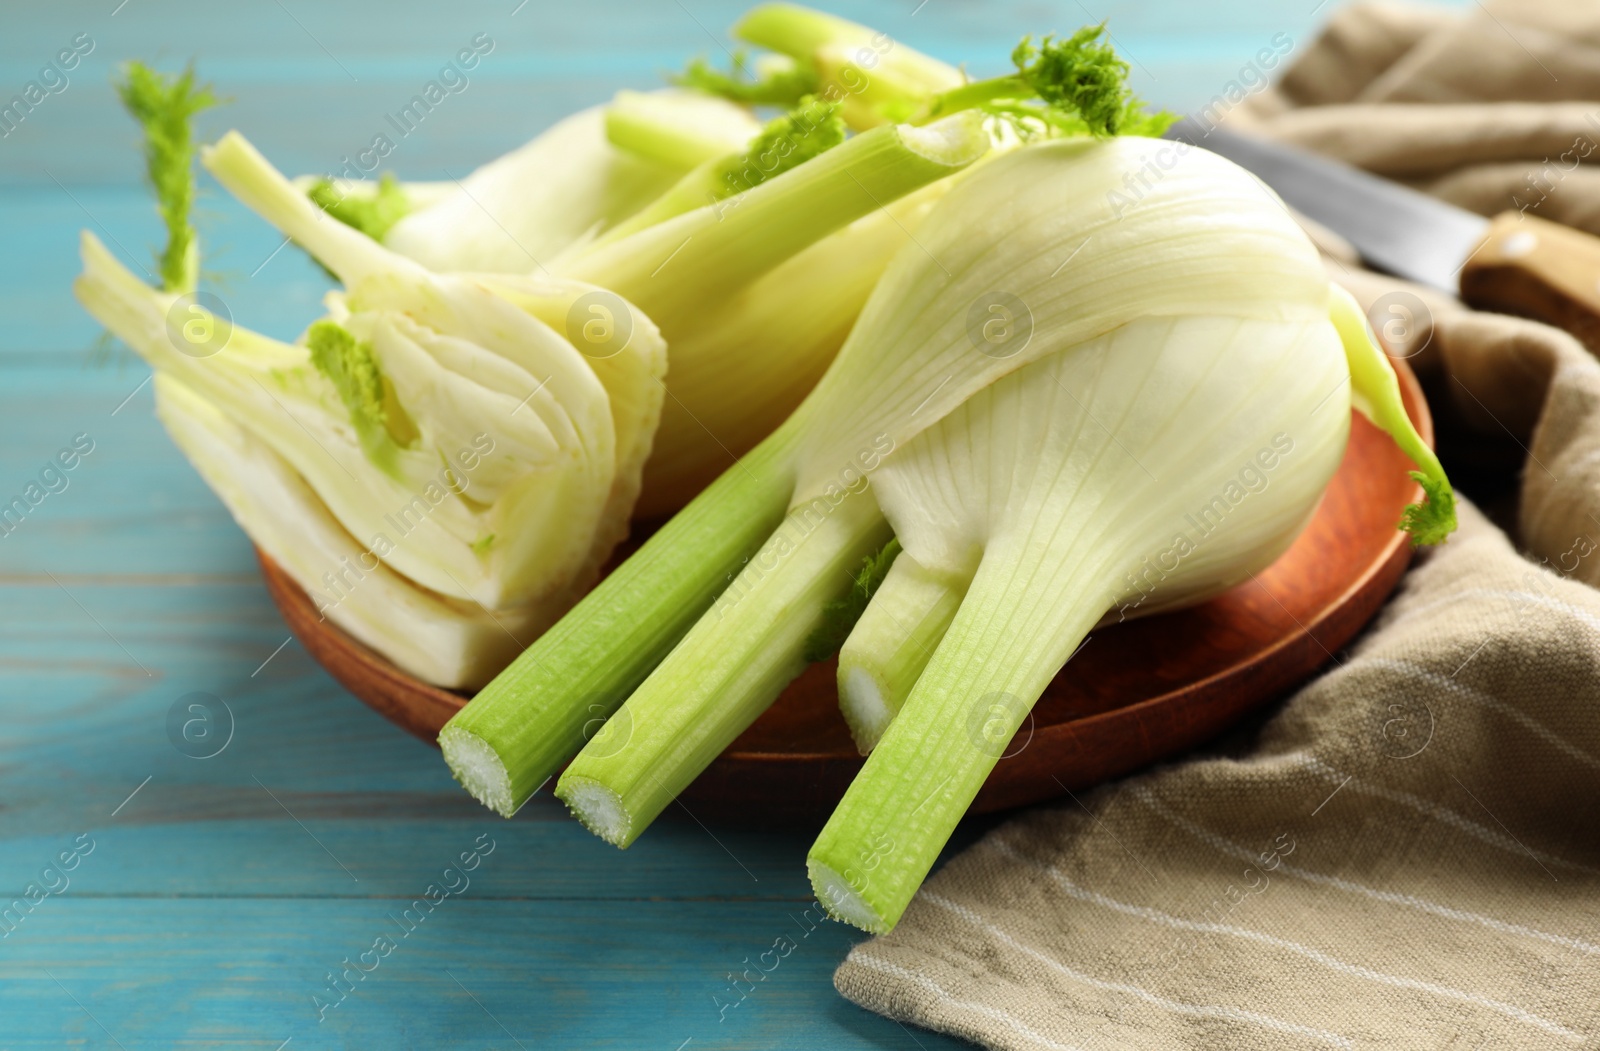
<point>1513,264</point>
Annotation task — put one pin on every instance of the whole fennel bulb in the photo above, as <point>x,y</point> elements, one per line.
<point>1161,461</point>
<point>1150,355</point>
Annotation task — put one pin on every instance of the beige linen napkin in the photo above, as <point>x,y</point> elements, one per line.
<point>1408,854</point>
<point>1497,110</point>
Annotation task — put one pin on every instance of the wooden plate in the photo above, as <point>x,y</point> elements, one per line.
<point>1135,693</point>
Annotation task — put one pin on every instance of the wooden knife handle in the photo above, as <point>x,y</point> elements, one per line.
<point>1538,269</point>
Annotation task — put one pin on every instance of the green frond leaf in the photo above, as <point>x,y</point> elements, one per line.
<point>1433,520</point>
<point>350,366</point>
<point>1076,85</point>
<point>810,129</point>
<point>165,107</point>
<point>777,86</point>
<point>1082,75</point>
<point>374,215</point>
<point>839,616</point>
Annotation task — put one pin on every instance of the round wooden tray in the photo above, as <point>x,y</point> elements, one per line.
<point>1134,694</point>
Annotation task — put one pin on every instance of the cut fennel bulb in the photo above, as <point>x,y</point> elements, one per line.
<point>464,356</point>
<point>442,640</point>
<point>465,486</point>
<point>431,371</point>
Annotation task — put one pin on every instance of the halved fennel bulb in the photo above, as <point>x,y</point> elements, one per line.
<point>478,456</point>
<point>463,356</point>
<point>446,641</point>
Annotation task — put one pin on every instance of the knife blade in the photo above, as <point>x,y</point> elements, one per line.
<point>1395,228</point>
<point>1514,263</point>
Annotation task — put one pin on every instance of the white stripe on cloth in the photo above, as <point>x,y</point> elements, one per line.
<point>1479,697</point>
<point>1175,1006</point>
<point>1316,955</point>
<point>1238,850</point>
<point>1010,1022</point>
<point>1432,809</point>
<point>1578,613</point>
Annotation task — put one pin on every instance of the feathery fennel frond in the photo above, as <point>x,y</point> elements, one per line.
<point>165,106</point>
<point>1433,520</point>
<point>777,85</point>
<point>1076,85</point>
<point>373,215</point>
<point>811,128</point>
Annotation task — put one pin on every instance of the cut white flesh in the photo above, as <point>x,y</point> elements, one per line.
<point>441,640</point>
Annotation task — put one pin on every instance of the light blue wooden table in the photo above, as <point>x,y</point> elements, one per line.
<point>208,901</point>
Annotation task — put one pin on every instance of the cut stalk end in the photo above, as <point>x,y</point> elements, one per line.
<point>725,672</point>
<point>865,709</point>
<point>892,643</point>
<point>478,767</point>
<point>836,895</point>
<point>599,809</point>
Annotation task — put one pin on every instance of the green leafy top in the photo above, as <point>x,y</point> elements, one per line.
<point>840,615</point>
<point>1080,81</point>
<point>811,128</point>
<point>374,214</point>
<point>1433,520</point>
<point>1375,393</point>
<point>349,364</point>
<point>165,106</point>
<point>779,86</point>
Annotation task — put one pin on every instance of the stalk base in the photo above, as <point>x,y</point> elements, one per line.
<point>598,808</point>
<point>840,899</point>
<point>478,767</point>
<point>862,702</point>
